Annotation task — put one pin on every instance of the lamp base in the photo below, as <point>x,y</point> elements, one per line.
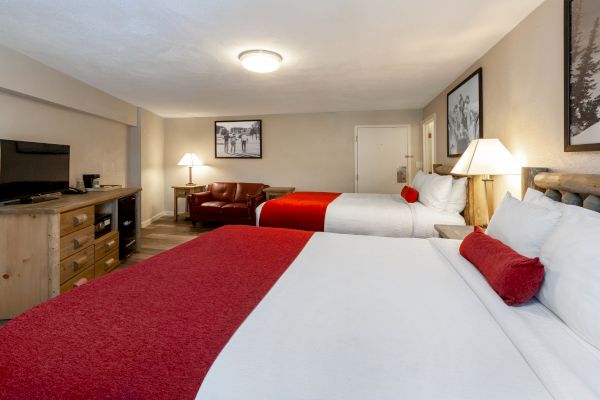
<point>488,183</point>
<point>190,184</point>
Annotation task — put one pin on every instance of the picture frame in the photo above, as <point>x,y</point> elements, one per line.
<point>582,75</point>
<point>238,139</point>
<point>464,106</point>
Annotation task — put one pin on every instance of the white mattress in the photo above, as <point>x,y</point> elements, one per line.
<point>382,215</point>
<point>358,317</point>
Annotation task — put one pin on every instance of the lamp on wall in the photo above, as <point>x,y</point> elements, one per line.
<point>190,160</point>
<point>487,157</point>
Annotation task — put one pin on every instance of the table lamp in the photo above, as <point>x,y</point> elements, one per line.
<point>190,160</point>
<point>487,157</point>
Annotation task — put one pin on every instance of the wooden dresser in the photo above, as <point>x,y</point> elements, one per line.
<point>46,248</point>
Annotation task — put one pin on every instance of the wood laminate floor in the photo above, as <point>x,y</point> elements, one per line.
<point>164,234</point>
<point>161,235</point>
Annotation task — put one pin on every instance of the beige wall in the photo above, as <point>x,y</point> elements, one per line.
<point>523,98</point>
<point>23,75</point>
<point>152,166</point>
<point>98,145</point>
<point>309,151</point>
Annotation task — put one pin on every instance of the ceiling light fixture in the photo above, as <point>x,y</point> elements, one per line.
<point>261,61</point>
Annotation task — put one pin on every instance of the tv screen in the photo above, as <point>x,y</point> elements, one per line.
<point>28,168</point>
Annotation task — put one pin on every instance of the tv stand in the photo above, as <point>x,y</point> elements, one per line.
<point>39,199</point>
<point>50,247</point>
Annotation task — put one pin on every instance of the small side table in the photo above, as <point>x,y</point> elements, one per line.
<point>275,192</point>
<point>458,232</point>
<point>184,191</point>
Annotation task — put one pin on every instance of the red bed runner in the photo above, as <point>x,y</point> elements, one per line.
<point>151,331</point>
<point>300,210</point>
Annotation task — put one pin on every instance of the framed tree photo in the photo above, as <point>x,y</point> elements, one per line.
<point>465,114</point>
<point>582,75</point>
<point>238,139</point>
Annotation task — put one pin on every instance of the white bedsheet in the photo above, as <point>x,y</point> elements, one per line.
<point>359,317</point>
<point>567,365</point>
<point>382,215</point>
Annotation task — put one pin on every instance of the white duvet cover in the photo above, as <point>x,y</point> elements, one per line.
<point>382,215</point>
<point>359,317</point>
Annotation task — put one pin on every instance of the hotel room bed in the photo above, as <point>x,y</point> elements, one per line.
<point>266,313</point>
<point>355,213</point>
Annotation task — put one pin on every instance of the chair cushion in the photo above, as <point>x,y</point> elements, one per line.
<point>211,207</point>
<point>223,191</point>
<point>237,209</point>
<point>244,189</point>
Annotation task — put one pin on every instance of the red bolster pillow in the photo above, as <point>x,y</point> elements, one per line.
<point>514,277</point>
<point>410,194</point>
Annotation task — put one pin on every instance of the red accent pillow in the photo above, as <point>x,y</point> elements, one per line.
<point>514,277</point>
<point>410,194</point>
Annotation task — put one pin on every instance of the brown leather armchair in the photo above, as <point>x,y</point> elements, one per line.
<point>228,202</point>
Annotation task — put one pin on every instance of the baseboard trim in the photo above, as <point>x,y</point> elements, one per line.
<point>156,217</point>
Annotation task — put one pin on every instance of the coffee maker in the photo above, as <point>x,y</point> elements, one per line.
<point>88,180</point>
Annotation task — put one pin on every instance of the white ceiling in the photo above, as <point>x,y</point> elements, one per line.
<point>179,58</point>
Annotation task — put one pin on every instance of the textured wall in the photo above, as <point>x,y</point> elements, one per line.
<point>309,151</point>
<point>152,168</point>
<point>26,76</point>
<point>98,145</point>
<point>523,98</point>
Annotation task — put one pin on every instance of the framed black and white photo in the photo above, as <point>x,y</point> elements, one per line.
<point>582,75</point>
<point>238,139</point>
<point>465,114</point>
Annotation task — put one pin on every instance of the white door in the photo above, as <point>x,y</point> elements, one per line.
<point>382,158</point>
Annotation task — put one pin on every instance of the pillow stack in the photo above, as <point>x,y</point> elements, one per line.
<point>559,240</point>
<point>441,192</point>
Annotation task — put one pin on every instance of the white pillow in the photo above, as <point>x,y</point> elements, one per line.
<point>419,180</point>
<point>522,226</point>
<point>571,257</point>
<point>435,191</point>
<point>458,196</point>
<point>538,198</point>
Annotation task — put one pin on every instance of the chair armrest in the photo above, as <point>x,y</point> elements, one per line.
<point>253,200</point>
<point>196,199</point>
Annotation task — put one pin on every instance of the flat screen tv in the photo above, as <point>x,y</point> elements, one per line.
<point>29,169</point>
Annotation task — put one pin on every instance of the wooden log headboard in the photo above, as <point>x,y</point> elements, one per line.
<point>576,189</point>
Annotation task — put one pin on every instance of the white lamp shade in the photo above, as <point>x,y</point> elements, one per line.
<point>486,157</point>
<point>190,160</point>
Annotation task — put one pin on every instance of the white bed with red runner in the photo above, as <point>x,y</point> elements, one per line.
<point>360,214</point>
<point>357,317</point>
<point>261,313</point>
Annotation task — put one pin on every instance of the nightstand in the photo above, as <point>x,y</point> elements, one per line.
<point>183,191</point>
<point>275,192</point>
<point>458,232</point>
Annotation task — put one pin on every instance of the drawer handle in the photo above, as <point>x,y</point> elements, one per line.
<point>79,219</point>
<point>110,245</point>
<point>77,243</point>
<point>79,262</point>
<point>80,282</point>
<point>108,263</point>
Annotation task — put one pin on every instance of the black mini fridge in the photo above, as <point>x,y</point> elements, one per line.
<point>127,211</point>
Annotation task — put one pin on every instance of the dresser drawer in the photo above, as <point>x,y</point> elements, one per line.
<point>70,284</point>
<point>107,264</point>
<point>76,241</point>
<point>74,220</point>
<point>106,244</point>
<point>79,261</point>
